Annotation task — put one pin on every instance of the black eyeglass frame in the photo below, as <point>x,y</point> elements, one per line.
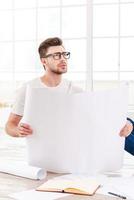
<point>65,54</point>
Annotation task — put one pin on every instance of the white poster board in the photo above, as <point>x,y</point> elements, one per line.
<point>76,133</point>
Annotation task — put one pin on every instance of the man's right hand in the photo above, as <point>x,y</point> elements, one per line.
<point>16,128</point>
<point>24,130</point>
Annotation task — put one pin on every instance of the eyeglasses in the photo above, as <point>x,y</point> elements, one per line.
<point>57,55</point>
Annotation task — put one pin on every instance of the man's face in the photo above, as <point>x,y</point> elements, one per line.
<point>53,63</point>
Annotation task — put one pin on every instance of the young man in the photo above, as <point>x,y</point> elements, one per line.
<point>54,58</point>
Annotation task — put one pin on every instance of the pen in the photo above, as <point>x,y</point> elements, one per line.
<point>117,195</point>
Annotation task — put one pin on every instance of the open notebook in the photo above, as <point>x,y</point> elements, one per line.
<point>76,186</point>
<point>76,133</point>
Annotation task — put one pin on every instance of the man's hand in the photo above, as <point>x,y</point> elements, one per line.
<point>24,130</point>
<point>16,128</point>
<point>126,130</point>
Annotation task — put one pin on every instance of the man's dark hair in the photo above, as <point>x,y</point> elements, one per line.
<point>55,41</point>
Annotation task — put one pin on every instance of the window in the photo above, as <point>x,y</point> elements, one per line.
<point>113,44</point>
<point>26,24</point>
<point>101,44</point>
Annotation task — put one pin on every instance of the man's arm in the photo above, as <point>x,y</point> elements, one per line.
<point>15,128</point>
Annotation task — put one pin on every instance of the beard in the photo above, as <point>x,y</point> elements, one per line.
<point>59,70</point>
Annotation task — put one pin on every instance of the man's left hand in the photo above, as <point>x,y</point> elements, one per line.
<point>126,130</point>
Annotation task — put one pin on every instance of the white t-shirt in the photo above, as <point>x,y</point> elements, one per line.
<point>65,86</point>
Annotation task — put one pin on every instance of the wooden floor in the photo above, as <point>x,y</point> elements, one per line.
<point>13,149</point>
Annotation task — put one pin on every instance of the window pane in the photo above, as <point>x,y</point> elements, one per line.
<point>105,1</point>
<point>105,20</point>
<point>105,54</point>
<point>6,88</point>
<point>127,76</point>
<point>40,72</point>
<point>43,3</point>
<point>6,76</point>
<point>105,76</point>
<point>7,4</point>
<point>131,92</point>
<point>25,56</point>
<point>23,77</point>
<point>77,61</point>
<point>6,56</point>
<point>48,23</point>
<point>39,67</point>
<point>24,3</point>
<point>74,22</point>
<point>127,54</point>
<point>25,26</point>
<point>127,1</point>
<point>127,16</point>
<point>73,2</point>
<point>6,27</point>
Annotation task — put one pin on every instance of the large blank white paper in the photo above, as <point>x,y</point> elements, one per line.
<point>76,132</point>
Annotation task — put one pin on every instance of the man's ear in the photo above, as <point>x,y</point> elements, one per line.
<point>43,60</point>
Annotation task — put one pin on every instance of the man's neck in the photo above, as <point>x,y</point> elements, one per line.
<point>51,81</point>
